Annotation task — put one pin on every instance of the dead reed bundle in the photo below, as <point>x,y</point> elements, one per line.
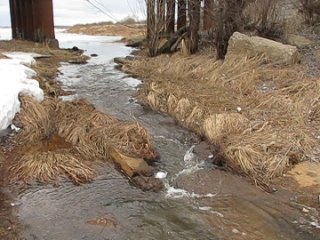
<point>218,126</point>
<point>90,130</point>
<point>267,152</point>
<point>129,138</point>
<point>34,119</point>
<point>49,166</point>
<point>75,133</point>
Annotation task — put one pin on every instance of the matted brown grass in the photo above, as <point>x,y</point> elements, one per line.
<point>77,134</point>
<point>127,31</point>
<point>48,167</point>
<point>263,117</point>
<point>35,120</point>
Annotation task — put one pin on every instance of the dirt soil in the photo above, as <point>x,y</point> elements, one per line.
<point>131,31</point>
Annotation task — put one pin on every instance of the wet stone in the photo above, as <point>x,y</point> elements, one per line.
<point>148,183</point>
<point>103,221</point>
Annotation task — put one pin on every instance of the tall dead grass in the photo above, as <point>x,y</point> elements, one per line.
<point>35,119</point>
<point>92,136</point>
<point>263,117</point>
<point>48,167</point>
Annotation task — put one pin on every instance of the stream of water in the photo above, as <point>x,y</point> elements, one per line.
<point>223,206</point>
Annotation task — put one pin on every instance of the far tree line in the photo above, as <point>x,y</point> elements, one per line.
<point>180,22</point>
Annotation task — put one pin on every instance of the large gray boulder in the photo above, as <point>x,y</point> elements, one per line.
<point>253,46</point>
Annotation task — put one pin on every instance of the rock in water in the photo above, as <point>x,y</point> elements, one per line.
<point>252,46</point>
<point>189,155</point>
<point>120,60</point>
<point>135,43</point>
<point>147,183</point>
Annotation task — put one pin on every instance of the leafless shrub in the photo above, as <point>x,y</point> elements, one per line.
<point>263,16</point>
<point>229,19</point>
<point>310,9</point>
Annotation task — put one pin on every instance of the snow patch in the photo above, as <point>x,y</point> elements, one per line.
<point>26,59</point>
<point>132,82</point>
<point>16,79</point>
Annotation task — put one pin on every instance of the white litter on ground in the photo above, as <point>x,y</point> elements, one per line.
<point>161,175</point>
<point>16,79</point>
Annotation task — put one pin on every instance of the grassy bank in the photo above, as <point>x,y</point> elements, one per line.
<point>127,31</point>
<point>263,117</point>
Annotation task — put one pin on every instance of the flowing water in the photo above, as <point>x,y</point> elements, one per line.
<point>199,202</point>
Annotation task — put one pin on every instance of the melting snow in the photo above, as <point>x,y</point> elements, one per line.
<point>16,79</point>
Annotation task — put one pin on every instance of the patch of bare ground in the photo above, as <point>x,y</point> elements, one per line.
<point>130,31</point>
<point>262,116</point>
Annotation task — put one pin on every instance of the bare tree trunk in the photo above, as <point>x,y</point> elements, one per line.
<point>171,10</point>
<point>150,18</point>
<point>194,15</point>
<point>208,14</point>
<point>182,13</point>
<point>152,27</point>
<point>161,15</point>
<point>229,20</point>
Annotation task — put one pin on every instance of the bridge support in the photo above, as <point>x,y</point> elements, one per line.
<point>33,20</point>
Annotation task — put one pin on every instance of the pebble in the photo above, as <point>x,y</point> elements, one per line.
<point>210,156</point>
<point>161,175</point>
<point>236,231</point>
<point>305,210</point>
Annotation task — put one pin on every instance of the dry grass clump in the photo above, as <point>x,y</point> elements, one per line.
<point>262,116</point>
<point>49,166</point>
<point>218,126</point>
<point>89,135</point>
<point>267,152</point>
<point>34,119</point>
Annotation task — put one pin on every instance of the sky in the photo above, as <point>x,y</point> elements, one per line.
<point>70,12</point>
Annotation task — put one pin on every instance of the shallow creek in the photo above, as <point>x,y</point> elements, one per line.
<point>199,201</point>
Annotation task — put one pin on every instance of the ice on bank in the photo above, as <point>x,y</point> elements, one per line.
<point>16,78</point>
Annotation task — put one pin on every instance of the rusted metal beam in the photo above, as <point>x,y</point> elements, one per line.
<point>29,20</point>
<point>23,14</point>
<point>33,20</point>
<point>13,18</point>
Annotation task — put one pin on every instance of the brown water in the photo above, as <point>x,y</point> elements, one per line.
<point>199,202</point>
